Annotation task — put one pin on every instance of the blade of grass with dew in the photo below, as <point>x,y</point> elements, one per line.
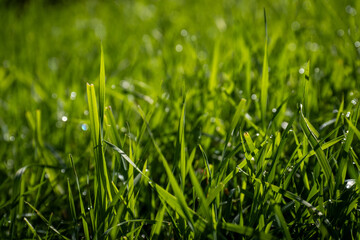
<point>170,199</point>
<point>279,150</point>
<point>311,136</point>
<point>306,97</point>
<point>309,206</point>
<point>32,228</point>
<point>206,163</point>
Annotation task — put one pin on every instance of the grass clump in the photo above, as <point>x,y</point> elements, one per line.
<point>203,127</point>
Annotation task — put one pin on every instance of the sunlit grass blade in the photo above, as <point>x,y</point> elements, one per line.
<point>214,67</point>
<point>264,78</point>
<point>247,231</point>
<point>102,92</point>
<point>32,229</point>
<point>93,113</point>
<point>121,152</point>
<point>180,145</point>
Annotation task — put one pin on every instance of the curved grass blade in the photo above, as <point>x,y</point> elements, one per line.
<point>310,134</point>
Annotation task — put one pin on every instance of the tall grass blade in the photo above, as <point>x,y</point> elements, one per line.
<point>311,136</point>
<point>265,78</point>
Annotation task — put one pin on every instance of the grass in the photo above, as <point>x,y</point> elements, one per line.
<point>208,123</point>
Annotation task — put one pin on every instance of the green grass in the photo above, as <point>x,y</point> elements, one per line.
<point>208,123</point>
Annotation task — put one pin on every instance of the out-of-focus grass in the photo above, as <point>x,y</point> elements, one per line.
<point>210,151</point>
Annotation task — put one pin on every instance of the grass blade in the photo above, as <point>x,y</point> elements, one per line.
<point>265,78</point>
<point>311,136</point>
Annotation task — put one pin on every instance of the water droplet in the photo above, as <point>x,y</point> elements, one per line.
<point>257,134</point>
<point>290,130</point>
<point>357,44</point>
<point>54,95</point>
<point>62,170</point>
<point>86,112</point>
<point>284,125</point>
<point>84,193</point>
<point>150,182</point>
<point>295,26</point>
<point>301,70</point>
<point>167,109</point>
<point>248,116</point>
<point>12,138</point>
<point>184,33</point>
<point>220,24</point>
<point>350,10</point>
<point>354,101</point>
<point>340,32</point>
<point>73,95</point>
<point>271,136</point>
<point>146,170</point>
<point>291,46</point>
<point>290,169</point>
<point>349,183</point>
<point>274,110</point>
<point>113,86</point>
<point>348,114</point>
<point>330,201</point>
<point>64,118</point>
<point>84,127</point>
<point>254,97</point>
<point>252,159</point>
<point>121,177</point>
<point>126,85</point>
<point>179,48</point>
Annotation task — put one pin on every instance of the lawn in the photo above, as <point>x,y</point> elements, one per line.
<point>179,119</point>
